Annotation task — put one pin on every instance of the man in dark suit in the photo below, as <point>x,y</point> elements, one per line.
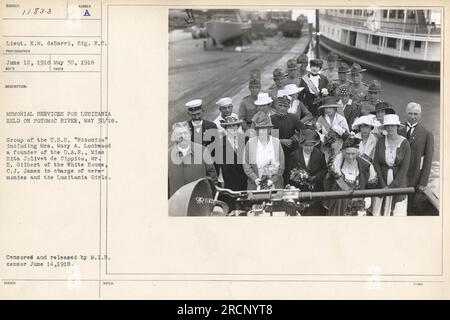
<point>315,86</point>
<point>202,131</point>
<point>310,159</point>
<point>422,147</point>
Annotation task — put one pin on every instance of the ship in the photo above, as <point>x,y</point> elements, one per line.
<point>224,27</point>
<point>402,42</point>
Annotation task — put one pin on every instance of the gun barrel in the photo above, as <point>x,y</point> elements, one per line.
<point>320,195</point>
<point>330,195</point>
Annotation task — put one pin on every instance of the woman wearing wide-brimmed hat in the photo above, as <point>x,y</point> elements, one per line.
<point>349,172</point>
<point>383,108</point>
<point>332,126</point>
<point>263,156</point>
<point>391,161</point>
<point>364,126</point>
<point>307,168</point>
<point>228,156</point>
<point>297,107</point>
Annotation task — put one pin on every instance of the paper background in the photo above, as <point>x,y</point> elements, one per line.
<point>156,256</point>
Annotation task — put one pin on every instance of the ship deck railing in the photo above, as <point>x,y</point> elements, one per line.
<point>400,28</point>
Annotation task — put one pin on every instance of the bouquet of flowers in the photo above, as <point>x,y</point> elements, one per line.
<point>356,207</point>
<point>329,139</point>
<point>301,179</point>
<point>268,171</point>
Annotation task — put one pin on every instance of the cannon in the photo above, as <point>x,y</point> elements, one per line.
<point>200,198</point>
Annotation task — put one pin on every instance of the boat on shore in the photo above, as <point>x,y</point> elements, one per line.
<point>227,26</point>
<point>403,42</point>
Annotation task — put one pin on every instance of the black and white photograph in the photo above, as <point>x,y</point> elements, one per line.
<point>303,112</point>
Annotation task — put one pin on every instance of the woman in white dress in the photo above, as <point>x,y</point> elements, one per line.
<point>364,126</point>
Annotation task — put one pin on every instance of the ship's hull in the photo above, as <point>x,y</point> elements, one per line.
<point>406,67</point>
<point>222,31</point>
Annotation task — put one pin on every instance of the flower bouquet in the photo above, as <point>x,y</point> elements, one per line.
<point>329,139</point>
<point>301,179</point>
<point>356,207</point>
<point>268,171</point>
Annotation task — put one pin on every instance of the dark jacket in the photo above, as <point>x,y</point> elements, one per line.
<point>351,112</point>
<point>317,167</point>
<point>230,163</point>
<point>422,148</point>
<point>205,136</point>
<point>308,98</point>
<point>196,164</point>
<point>400,168</point>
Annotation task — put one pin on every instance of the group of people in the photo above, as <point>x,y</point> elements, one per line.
<point>321,129</point>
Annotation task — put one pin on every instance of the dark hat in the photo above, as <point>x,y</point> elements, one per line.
<point>343,90</point>
<point>302,59</point>
<point>292,64</point>
<point>343,68</point>
<point>356,68</point>
<point>384,106</point>
<point>262,120</point>
<point>332,57</point>
<point>351,142</point>
<point>230,121</point>
<point>329,102</point>
<point>308,135</point>
<point>375,86</point>
<point>316,62</point>
<point>278,73</point>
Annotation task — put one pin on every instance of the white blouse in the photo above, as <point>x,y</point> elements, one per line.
<point>265,154</point>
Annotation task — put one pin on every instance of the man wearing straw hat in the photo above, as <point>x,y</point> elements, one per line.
<point>247,107</point>
<point>421,141</point>
<point>331,71</point>
<point>358,89</point>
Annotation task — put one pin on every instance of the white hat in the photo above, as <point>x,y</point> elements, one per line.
<point>392,119</point>
<point>263,99</point>
<point>282,93</point>
<point>194,103</point>
<point>370,120</point>
<point>224,102</point>
<point>292,88</point>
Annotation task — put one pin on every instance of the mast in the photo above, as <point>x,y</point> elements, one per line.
<point>317,34</point>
